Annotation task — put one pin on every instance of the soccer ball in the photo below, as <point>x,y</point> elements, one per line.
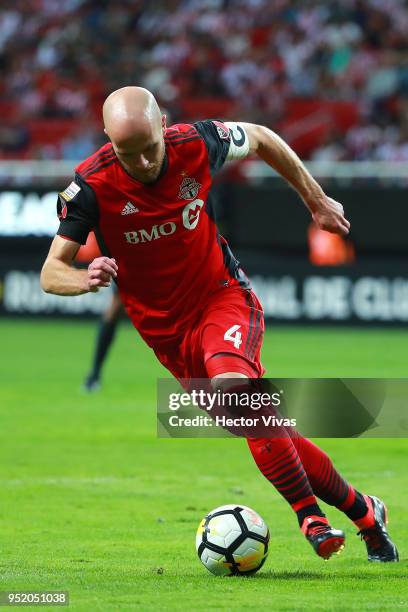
<point>232,540</point>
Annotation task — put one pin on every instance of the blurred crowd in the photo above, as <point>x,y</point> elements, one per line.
<point>60,58</point>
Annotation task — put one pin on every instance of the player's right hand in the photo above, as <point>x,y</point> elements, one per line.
<point>100,272</point>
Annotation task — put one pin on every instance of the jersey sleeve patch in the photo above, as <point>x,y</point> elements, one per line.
<point>216,137</point>
<point>77,211</point>
<point>225,141</point>
<point>70,192</point>
<point>239,143</point>
<point>222,130</point>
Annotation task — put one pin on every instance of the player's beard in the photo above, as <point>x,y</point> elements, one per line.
<point>151,175</point>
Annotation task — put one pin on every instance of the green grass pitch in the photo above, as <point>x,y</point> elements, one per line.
<point>93,503</point>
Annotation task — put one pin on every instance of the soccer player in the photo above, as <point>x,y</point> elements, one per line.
<point>146,196</point>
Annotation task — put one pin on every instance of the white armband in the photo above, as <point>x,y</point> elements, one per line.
<point>239,143</point>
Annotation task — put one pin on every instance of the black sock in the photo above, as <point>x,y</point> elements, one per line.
<point>312,510</point>
<point>106,334</point>
<point>358,509</point>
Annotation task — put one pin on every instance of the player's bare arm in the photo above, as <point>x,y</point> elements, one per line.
<point>59,276</point>
<point>326,212</point>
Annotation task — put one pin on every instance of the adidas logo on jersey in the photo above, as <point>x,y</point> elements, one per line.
<point>129,209</point>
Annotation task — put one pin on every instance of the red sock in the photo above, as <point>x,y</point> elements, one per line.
<point>277,458</point>
<point>279,462</point>
<point>326,482</point>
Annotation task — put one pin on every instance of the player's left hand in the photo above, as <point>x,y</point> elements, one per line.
<point>328,214</point>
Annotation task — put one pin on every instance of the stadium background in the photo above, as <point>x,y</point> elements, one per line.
<point>332,79</point>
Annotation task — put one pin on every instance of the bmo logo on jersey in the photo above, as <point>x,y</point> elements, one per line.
<point>154,233</point>
<point>190,217</point>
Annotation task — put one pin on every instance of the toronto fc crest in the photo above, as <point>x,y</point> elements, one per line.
<point>189,188</point>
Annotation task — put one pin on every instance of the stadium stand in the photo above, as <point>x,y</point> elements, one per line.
<point>331,77</point>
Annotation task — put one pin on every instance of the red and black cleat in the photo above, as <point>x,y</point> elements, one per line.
<point>325,540</point>
<point>380,547</point>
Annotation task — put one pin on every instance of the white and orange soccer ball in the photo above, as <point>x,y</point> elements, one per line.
<point>232,540</point>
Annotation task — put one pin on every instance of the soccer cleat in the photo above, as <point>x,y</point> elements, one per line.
<point>91,384</point>
<point>380,547</point>
<point>325,540</point>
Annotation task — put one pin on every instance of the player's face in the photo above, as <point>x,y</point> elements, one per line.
<point>142,157</point>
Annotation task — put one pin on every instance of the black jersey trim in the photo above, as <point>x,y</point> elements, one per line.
<point>189,132</point>
<point>255,327</point>
<point>101,242</point>
<point>101,160</point>
<point>83,213</point>
<point>256,336</point>
<point>233,266</point>
<point>179,133</point>
<point>183,137</point>
<point>250,331</point>
<point>101,167</point>
<point>97,158</point>
<point>184,140</point>
<point>217,147</point>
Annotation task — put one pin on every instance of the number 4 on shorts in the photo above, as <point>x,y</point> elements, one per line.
<point>233,335</point>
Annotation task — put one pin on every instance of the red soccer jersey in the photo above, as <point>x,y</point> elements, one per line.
<point>163,235</point>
